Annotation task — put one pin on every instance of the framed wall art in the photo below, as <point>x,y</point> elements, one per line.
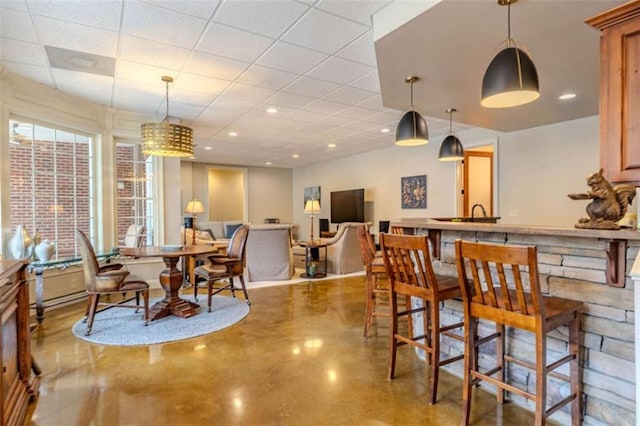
<point>413,191</point>
<point>311,193</point>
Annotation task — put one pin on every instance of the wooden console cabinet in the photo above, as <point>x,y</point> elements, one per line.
<point>19,384</point>
<point>620,91</point>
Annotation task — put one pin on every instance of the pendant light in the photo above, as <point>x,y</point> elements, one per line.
<point>412,128</point>
<point>451,148</point>
<point>164,138</point>
<point>511,78</point>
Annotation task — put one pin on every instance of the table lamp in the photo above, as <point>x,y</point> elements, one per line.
<point>311,207</point>
<point>194,207</point>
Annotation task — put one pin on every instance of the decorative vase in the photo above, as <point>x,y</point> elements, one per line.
<point>21,244</point>
<point>44,251</point>
<point>313,268</point>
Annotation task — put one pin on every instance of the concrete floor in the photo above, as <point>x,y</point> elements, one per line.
<point>298,359</point>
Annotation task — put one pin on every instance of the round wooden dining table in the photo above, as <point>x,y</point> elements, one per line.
<point>171,277</point>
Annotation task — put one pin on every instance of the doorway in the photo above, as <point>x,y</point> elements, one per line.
<point>476,180</point>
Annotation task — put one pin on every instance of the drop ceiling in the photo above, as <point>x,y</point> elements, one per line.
<point>313,61</point>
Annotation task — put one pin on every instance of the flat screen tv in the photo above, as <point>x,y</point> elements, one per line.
<point>347,206</point>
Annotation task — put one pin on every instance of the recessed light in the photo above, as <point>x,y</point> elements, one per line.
<point>332,145</point>
<point>566,96</point>
<point>385,130</point>
<point>268,163</point>
<point>295,156</point>
<point>233,134</point>
<point>192,158</point>
<point>208,148</point>
<point>272,110</point>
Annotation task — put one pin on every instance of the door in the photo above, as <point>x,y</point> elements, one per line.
<point>478,181</point>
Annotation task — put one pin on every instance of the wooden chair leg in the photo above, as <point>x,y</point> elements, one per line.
<point>232,287</point>
<point>87,309</point>
<point>500,345</point>
<point>195,291</point>
<point>94,300</point>
<point>575,371</point>
<point>145,299</point>
<point>209,294</point>
<point>393,343</point>
<point>470,363</point>
<point>368,302</point>
<point>244,289</point>
<point>434,333</point>
<point>137,301</point>
<point>541,381</point>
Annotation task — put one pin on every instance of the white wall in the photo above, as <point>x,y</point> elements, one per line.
<point>537,168</point>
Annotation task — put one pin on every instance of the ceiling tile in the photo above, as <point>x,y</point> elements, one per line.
<point>357,113</point>
<point>34,72</point>
<point>306,116</point>
<point>15,5</point>
<point>233,43</point>
<point>215,66</point>
<point>217,117</point>
<point>262,108</point>
<point>267,77</point>
<point>96,82</point>
<point>22,51</point>
<point>311,87</point>
<point>334,120</point>
<point>189,97</point>
<point>375,103</point>
<point>269,18</point>
<point>361,50</point>
<point>199,83</point>
<point>290,100</point>
<point>369,82</point>
<point>323,32</point>
<point>184,111</point>
<point>384,117</point>
<point>280,54</point>
<point>143,73</point>
<point>232,104</point>
<point>160,24</point>
<point>200,8</point>
<point>151,52</point>
<point>339,70</point>
<point>103,14</point>
<point>17,25</point>
<point>359,11</point>
<point>325,107</point>
<point>76,37</point>
<point>137,100</point>
<point>350,95</point>
<point>247,92</point>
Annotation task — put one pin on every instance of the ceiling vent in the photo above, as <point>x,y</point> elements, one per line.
<point>74,60</point>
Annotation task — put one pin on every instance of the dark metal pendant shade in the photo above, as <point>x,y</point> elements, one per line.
<point>511,79</point>
<point>412,130</point>
<point>451,149</point>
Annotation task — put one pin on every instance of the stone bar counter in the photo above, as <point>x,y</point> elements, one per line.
<point>593,266</point>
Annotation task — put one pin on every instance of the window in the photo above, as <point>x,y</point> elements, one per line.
<point>135,194</point>
<point>51,183</point>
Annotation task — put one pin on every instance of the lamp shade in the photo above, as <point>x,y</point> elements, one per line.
<point>194,207</point>
<point>312,206</point>
<point>451,149</point>
<point>511,79</point>
<point>412,130</point>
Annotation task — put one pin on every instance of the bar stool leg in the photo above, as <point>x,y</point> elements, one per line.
<point>500,345</point>
<point>434,333</point>
<point>575,371</point>
<point>392,335</point>
<point>541,381</point>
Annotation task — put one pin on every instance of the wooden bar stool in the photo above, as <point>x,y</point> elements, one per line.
<point>376,283</point>
<point>408,264</point>
<point>507,304</point>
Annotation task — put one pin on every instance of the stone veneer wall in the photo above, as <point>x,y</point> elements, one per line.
<point>573,268</point>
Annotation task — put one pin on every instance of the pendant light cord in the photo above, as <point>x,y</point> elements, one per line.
<point>412,107</point>
<point>167,92</point>
<point>450,125</point>
<point>509,21</point>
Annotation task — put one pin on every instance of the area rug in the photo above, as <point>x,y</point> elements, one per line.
<point>124,327</point>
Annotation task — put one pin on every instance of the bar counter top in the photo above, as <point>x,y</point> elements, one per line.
<point>623,234</point>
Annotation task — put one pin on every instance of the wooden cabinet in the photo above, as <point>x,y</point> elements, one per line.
<point>620,91</point>
<point>19,385</point>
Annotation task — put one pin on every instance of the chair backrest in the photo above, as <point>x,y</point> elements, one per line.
<point>238,242</point>
<point>367,247</point>
<point>408,264</point>
<point>135,235</point>
<point>89,261</point>
<point>512,267</point>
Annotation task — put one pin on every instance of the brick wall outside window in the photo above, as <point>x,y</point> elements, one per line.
<point>51,187</point>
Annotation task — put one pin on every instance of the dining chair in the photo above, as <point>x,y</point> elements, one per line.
<point>507,304</point>
<point>408,265</point>
<point>108,280</point>
<point>224,267</point>
<point>376,282</point>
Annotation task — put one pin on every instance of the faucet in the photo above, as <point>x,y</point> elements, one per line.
<point>484,212</point>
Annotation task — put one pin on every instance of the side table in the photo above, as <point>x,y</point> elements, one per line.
<point>309,262</point>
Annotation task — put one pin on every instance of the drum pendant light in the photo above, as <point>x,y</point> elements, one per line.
<point>451,148</point>
<point>511,78</point>
<point>412,128</point>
